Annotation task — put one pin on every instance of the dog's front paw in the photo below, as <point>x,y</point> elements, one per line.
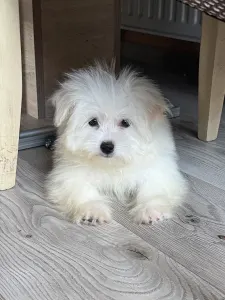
<point>148,214</point>
<point>93,213</point>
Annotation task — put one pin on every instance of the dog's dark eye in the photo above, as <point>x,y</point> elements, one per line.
<point>93,122</point>
<point>124,123</point>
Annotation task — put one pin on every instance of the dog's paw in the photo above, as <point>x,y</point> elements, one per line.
<point>93,213</point>
<point>147,214</point>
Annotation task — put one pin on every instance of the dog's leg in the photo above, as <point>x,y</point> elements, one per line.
<point>149,209</point>
<point>80,202</point>
<point>92,209</point>
<point>155,203</point>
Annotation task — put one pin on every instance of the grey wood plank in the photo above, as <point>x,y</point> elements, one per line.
<point>203,160</point>
<point>40,158</point>
<point>192,237</point>
<point>45,257</point>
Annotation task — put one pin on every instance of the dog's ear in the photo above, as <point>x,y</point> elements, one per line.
<point>155,102</point>
<point>144,91</point>
<point>159,107</point>
<point>61,101</point>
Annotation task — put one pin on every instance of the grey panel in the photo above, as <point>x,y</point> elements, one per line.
<point>35,137</point>
<point>162,17</point>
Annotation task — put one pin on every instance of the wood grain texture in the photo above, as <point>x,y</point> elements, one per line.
<point>10,91</point>
<point>192,237</point>
<point>44,257</point>
<point>211,77</point>
<point>30,102</point>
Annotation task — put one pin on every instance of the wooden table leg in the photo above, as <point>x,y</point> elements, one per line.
<point>10,91</point>
<point>211,77</point>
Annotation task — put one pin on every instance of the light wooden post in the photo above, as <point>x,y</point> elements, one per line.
<point>211,77</point>
<point>10,91</point>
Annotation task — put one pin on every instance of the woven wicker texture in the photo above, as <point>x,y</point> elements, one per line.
<point>215,8</point>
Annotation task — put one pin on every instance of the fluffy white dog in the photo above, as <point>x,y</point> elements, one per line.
<point>113,139</point>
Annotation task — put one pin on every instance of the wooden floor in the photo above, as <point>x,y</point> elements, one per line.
<point>44,257</point>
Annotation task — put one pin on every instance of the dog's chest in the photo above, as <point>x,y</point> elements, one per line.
<point>120,181</point>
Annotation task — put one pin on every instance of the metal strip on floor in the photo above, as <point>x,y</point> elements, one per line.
<point>35,137</point>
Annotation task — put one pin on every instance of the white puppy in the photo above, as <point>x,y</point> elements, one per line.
<point>113,138</point>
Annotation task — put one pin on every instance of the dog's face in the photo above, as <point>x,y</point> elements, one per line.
<point>101,128</point>
<point>102,116</point>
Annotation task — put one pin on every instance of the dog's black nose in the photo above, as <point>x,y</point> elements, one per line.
<point>107,147</point>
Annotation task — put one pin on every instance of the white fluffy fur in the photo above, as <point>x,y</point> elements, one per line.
<point>144,162</point>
